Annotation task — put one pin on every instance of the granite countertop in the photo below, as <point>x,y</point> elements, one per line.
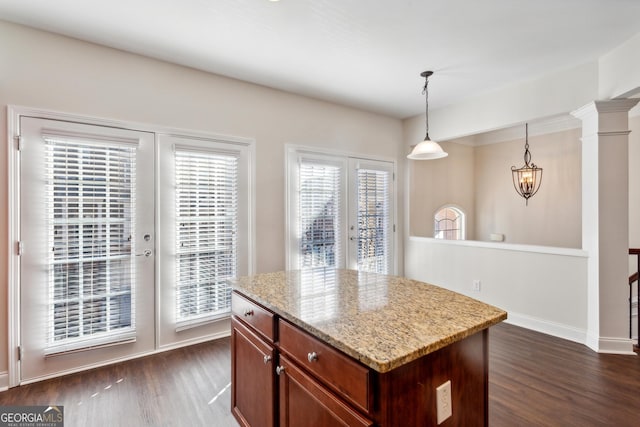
<point>382,321</point>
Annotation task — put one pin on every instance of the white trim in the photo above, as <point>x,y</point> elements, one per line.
<point>305,149</point>
<point>607,345</point>
<point>13,265</point>
<point>559,330</point>
<point>613,345</point>
<point>551,250</point>
<point>193,341</point>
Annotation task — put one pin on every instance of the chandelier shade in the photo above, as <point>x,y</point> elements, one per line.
<point>427,149</point>
<point>527,179</point>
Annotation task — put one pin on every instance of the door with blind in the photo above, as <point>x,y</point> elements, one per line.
<point>340,212</point>
<point>87,245</point>
<point>205,234</point>
<point>371,225</point>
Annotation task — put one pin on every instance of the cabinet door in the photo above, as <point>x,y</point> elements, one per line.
<point>304,402</point>
<point>253,379</point>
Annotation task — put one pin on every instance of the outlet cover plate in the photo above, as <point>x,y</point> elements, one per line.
<point>443,397</point>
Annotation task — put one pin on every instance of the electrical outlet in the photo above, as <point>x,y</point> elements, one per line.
<point>443,397</point>
<point>476,285</point>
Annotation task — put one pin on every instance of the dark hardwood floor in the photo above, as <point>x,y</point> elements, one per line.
<point>539,380</point>
<point>183,387</point>
<point>535,380</point>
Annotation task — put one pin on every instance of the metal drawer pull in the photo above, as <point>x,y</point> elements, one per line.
<point>279,370</point>
<point>248,312</point>
<point>266,359</point>
<point>312,357</point>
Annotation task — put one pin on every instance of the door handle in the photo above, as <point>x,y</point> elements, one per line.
<point>146,253</point>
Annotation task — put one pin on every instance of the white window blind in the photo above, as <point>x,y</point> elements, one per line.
<point>319,210</point>
<point>206,234</point>
<point>90,215</point>
<point>373,220</point>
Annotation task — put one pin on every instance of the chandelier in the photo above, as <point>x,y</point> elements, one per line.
<point>527,179</point>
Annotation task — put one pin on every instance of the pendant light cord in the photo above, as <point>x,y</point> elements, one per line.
<point>425,92</point>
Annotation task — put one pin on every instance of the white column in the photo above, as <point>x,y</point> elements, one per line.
<point>605,221</point>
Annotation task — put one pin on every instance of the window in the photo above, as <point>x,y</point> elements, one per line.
<point>90,204</point>
<point>339,212</point>
<point>373,220</point>
<point>449,224</point>
<point>319,207</point>
<point>206,228</point>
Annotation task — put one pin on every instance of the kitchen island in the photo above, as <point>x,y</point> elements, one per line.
<point>341,347</point>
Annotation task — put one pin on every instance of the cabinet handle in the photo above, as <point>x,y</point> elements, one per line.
<point>266,359</point>
<point>279,370</point>
<point>248,312</point>
<point>312,357</point>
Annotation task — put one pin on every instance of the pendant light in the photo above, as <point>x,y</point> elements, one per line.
<point>427,149</point>
<point>527,179</point>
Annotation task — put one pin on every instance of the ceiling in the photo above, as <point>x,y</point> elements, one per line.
<point>363,53</point>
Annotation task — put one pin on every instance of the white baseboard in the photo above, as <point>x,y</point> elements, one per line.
<point>613,345</point>
<point>4,381</point>
<point>559,330</point>
<point>194,341</point>
<point>609,345</point>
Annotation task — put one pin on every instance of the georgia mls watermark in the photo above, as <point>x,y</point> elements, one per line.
<point>32,416</point>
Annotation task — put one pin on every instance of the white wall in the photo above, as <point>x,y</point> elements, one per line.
<point>549,95</point>
<point>541,288</point>
<point>43,70</point>
<point>619,70</point>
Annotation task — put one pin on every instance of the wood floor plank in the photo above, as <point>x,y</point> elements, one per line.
<point>534,380</point>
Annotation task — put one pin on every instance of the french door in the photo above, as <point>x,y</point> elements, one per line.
<point>87,245</point>
<point>340,212</point>
<point>124,240</point>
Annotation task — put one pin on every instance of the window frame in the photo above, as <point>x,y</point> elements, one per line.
<point>462,217</point>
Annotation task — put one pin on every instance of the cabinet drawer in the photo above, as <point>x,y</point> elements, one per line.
<point>339,372</point>
<point>251,313</point>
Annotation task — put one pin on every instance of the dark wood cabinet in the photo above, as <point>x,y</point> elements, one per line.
<point>253,388</point>
<point>305,402</point>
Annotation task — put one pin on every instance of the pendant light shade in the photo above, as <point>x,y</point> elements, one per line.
<point>427,149</point>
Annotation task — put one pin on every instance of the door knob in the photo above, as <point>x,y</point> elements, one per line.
<point>279,370</point>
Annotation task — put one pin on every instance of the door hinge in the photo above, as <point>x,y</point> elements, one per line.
<point>19,353</point>
<point>19,142</point>
<point>394,228</point>
<point>20,248</point>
